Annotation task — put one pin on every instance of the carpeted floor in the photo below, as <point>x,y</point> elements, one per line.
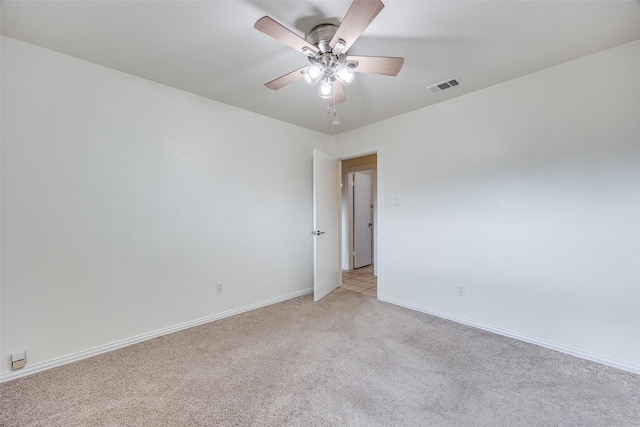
<point>347,360</point>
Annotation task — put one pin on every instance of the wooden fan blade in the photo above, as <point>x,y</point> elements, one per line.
<point>387,66</point>
<point>283,34</point>
<point>360,14</point>
<point>338,94</point>
<point>286,79</point>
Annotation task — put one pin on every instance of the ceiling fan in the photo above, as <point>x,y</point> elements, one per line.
<point>326,47</point>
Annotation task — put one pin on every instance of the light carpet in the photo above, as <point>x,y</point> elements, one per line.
<point>348,360</point>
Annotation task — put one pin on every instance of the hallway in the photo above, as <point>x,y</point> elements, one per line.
<point>361,280</point>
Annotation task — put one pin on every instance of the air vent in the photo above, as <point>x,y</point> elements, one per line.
<point>447,84</point>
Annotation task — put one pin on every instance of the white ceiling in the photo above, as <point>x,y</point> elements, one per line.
<point>210,48</point>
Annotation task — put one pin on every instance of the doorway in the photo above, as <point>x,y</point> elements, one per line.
<point>331,227</point>
<point>361,280</point>
<point>359,219</point>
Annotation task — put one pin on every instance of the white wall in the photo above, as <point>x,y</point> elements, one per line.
<point>528,194</point>
<point>124,201</point>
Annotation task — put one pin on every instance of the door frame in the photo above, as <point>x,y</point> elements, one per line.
<point>379,220</point>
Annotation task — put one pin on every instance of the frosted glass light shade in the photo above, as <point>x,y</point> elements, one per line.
<point>313,73</point>
<point>344,74</point>
<point>326,89</point>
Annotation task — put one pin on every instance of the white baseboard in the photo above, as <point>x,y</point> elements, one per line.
<point>7,376</point>
<point>532,340</point>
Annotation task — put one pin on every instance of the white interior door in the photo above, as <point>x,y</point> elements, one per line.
<point>362,220</point>
<point>326,224</point>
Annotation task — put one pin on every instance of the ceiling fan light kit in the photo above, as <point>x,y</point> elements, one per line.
<point>326,89</point>
<point>326,47</point>
<point>313,73</point>
<point>344,74</point>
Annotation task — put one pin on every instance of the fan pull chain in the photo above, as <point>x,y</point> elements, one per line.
<point>334,105</point>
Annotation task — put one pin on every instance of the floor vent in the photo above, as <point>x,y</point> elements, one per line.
<point>447,84</point>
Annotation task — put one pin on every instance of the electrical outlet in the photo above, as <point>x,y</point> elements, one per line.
<point>461,291</point>
<point>18,359</point>
<point>219,287</point>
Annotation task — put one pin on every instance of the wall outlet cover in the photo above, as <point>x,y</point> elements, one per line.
<point>18,360</point>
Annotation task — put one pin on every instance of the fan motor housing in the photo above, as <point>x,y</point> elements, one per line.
<point>321,35</point>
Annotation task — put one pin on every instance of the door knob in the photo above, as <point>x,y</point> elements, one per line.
<point>317,232</point>
<point>370,224</point>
